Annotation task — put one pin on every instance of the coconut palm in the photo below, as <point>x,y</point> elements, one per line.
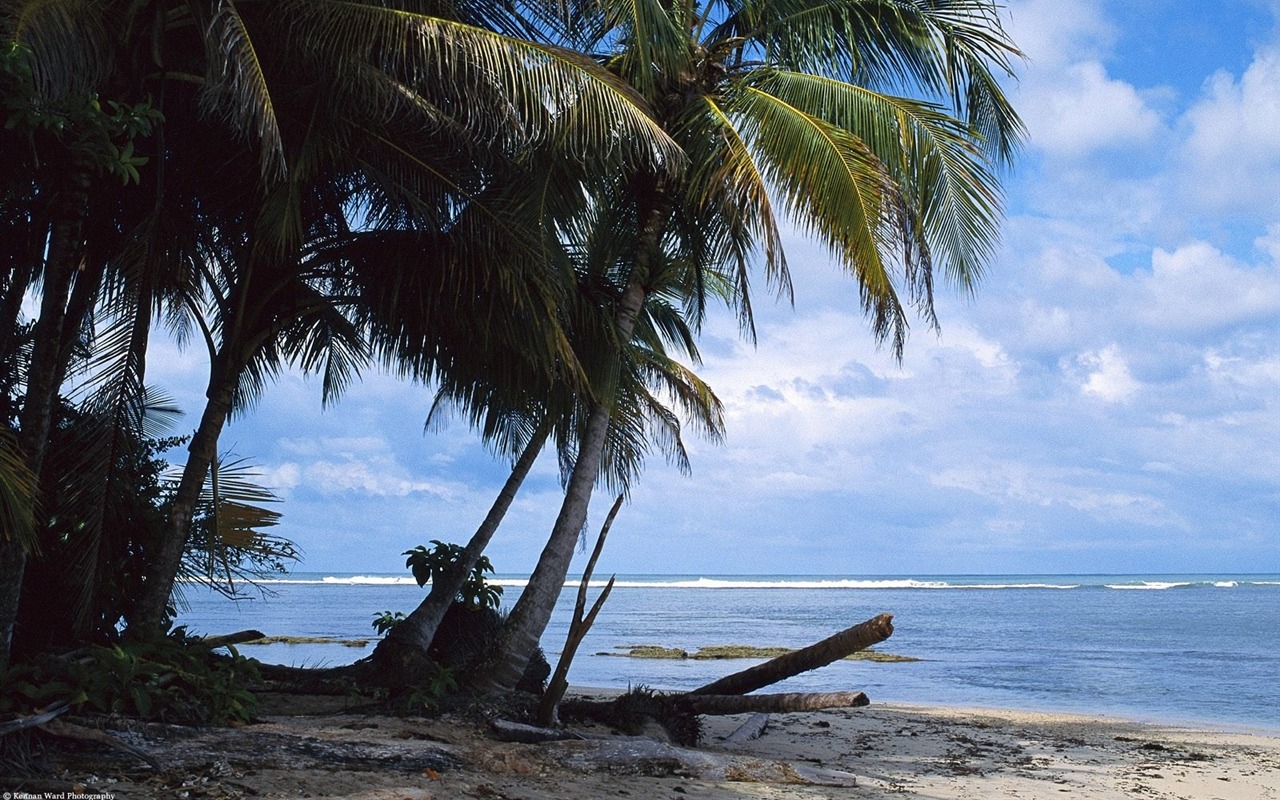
<point>876,126</point>
<point>314,94</point>
<point>519,419</point>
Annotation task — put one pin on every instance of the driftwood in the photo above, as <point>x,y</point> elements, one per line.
<point>233,638</point>
<point>504,730</point>
<point>184,747</point>
<point>833,648</point>
<point>723,704</point>
<point>633,756</point>
<point>753,728</point>
<point>70,730</point>
<point>36,719</point>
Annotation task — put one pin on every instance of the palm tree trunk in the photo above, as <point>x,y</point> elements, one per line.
<point>162,567</point>
<point>529,618</point>
<point>832,648</point>
<point>13,565</point>
<point>44,375</point>
<point>408,641</point>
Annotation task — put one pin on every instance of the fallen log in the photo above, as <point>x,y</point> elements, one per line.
<point>724,704</point>
<point>504,730</point>
<point>753,728</point>
<point>833,648</point>
<point>239,637</point>
<point>70,730</point>
<point>35,720</point>
<point>656,759</point>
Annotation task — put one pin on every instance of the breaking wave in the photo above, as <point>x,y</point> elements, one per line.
<point>967,583</point>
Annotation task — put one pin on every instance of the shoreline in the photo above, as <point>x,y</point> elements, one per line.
<point>327,747</point>
<point>1117,717</point>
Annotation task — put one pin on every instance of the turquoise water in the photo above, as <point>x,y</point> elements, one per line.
<point>1190,648</point>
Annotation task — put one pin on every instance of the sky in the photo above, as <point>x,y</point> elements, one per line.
<point>1107,401</point>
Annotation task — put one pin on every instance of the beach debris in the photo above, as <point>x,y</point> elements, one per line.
<point>727,652</point>
<point>504,730</point>
<point>240,637</point>
<point>578,626</point>
<point>182,747</point>
<point>637,711</point>
<point>753,728</point>
<point>35,720</point>
<point>832,648</point>
<point>635,756</point>
<point>70,730</point>
<point>783,703</point>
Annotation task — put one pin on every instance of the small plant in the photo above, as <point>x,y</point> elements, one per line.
<point>168,678</point>
<point>439,682</point>
<point>384,622</point>
<point>429,565</point>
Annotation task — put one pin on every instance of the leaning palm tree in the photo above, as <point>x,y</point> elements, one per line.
<point>517,418</point>
<point>314,93</point>
<point>877,126</point>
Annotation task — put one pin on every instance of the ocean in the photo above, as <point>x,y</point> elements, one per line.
<point>1197,649</point>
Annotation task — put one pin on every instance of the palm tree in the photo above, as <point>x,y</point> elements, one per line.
<point>517,418</point>
<point>314,93</point>
<point>796,105</point>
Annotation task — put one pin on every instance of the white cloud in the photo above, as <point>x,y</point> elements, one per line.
<point>1197,287</point>
<point>1108,376</point>
<point>1079,110</point>
<point>1070,103</point>
<point>1231,155</point>
<point>363,465</point>
<point>1043,488</point>
<point>1054,33</point>
<point>280,478</point>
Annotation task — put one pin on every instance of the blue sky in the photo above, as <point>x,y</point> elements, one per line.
<point>1108,401</point>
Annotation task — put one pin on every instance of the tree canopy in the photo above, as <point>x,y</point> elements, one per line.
<point>530,207</point>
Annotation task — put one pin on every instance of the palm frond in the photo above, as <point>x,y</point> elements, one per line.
<point>232,543</point>
<point>835,188</point>
<point>951,49</point>
<point>652,40</point>
<point>729,214</point>
<point>17,494</point>
<point>237,87</point>
<point>540,83</point>
<point>931,155</point>
<point>68,40</point>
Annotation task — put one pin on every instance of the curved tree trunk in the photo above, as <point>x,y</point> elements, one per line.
<point>164,563</point>
<point>407,643</point>
<point>529,618</point>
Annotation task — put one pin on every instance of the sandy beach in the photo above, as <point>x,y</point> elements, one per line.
<point>872,752</point>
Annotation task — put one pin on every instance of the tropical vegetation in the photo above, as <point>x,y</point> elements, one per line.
<point>529,207</point>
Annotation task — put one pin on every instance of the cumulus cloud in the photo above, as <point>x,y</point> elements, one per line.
<point>1054,33</point>
<point>1081,110</point>
<point>1105,390</point>
<point>1105,375</point>
<point>363,465</point>
<point>1231,153</point>
<point>1196,286</point>
<point>1071,105</point>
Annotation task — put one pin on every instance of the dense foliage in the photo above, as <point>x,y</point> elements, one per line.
<point>169,679</point>
<point>528,206</point>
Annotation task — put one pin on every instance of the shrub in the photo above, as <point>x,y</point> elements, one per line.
<point>166,678</point>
